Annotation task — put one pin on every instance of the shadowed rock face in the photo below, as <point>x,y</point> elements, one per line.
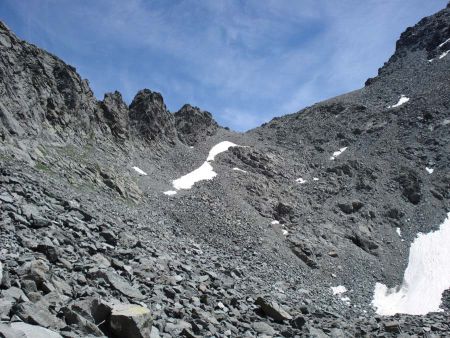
<point>194,125</point>
<point>39,92</point>
<point>115,111</point>
<point>150,118</point>
<point>42,95</point>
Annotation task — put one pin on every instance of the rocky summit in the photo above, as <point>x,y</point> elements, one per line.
<point>122,220</point>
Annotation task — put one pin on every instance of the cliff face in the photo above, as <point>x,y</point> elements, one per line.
<point>44,97</point>
<point>41,93</point>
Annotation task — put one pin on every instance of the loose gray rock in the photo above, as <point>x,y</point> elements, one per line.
<point>272,309</point>
<point>131,321</point>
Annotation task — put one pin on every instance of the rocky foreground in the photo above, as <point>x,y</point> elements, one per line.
<point>331,196</point>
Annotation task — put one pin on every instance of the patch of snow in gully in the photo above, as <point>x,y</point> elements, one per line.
<point>300,180</point>
<point>337,153</point>
<point>205,171</point>
<point>403,100</point>
<point>443,55</point>
<point>274,222</point>
<point>140,171</point>
<point>426,277</point>
<point>219,148</point>
<point>240,170</point>
<point>284,232</point>
<point>315,179</point>
<point>429,170</point>
<point>443,43</point>
<point>337,290</point>
<point>170,192</point>
<point>399,231</point>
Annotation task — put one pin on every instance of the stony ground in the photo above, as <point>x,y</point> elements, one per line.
<point>89,247</point>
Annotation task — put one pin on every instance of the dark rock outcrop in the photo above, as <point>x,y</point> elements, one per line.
<point>40,93</point>
<point>194,125</point>
<point>430,35</point>
<point>115,112</point>
<point>149,117</point>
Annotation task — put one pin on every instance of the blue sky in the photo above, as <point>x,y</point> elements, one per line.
<point>245,61</point>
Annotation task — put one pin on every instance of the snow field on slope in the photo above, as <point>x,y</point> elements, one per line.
<point>337,153</point>
<point>202,173</point>
<point>339,291</point>
<point>426,277</point>
<point>403,99</point>
<point>140,171</point>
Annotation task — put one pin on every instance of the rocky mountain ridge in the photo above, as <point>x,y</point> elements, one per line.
<point>59,103</point>
<point>306,204</point>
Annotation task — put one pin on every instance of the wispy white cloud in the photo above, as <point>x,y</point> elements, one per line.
<point>245,61</point>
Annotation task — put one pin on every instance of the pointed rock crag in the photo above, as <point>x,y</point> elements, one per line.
<point>115,111</point>
<point>40,92</point>
<point>194,125</point>
<point>431,35</point>
<point>149,117</point>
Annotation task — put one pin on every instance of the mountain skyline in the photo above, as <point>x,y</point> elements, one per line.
<point>243,62</point>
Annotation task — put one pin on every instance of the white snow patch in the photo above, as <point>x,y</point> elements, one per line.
<point>399,231</point>
<point>426,277</point>
<point>315,179</point>
<point>429,170</point>
<point>300,180</point>
<point>205,171</point>
<point>240,170</point>
<point>274,222</point>
<point>444,43</point>
<point>443,55</point>
<point>219,148</point>
<point>338,290</point>
<point>140,171</point>
<point>170,192</point>
<point>346,300</point>
<point>191,147</point>
<point>403,99</point>
<point>337,153</point>
<point>284,231</point>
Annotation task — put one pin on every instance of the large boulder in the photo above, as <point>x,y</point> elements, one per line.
<point>24,330</point>
<point>122,320</point>
<point>132,321</point>
<point>273,309</point>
